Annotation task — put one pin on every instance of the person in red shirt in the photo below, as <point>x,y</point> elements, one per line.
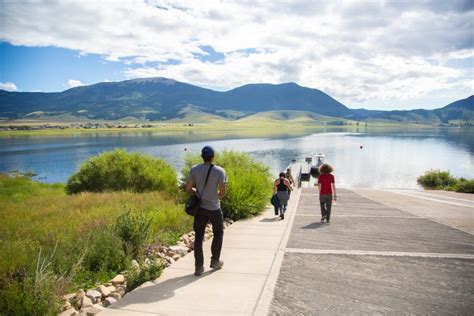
<point>326,188</point>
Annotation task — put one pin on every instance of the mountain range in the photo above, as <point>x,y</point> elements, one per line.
<point>164,99</point>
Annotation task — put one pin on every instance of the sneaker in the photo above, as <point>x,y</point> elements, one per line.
<point>323,218</point>
<point>282,216</point>
<point>198,271</point>
<point>327,220</point>
<point>217,264</point>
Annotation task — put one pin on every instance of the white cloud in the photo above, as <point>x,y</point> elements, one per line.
<point>8,86</point>
<point>358,51</point>
<point>72,83</point>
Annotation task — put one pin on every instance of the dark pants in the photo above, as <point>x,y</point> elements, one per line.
<point>325,200</point>
<point>201,219</point>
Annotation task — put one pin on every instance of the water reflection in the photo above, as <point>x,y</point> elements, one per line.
<point>389,157</point>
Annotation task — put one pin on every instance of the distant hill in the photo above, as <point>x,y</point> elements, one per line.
<point>161,98</point>
<point>461,110</point>
<point>167,99</point>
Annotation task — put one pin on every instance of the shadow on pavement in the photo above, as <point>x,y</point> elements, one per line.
<point>159,291</point>
<point>315,225</point>
<point>273,219</point>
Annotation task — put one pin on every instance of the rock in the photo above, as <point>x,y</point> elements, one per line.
<point>147,261</point>
<point>93,310</point>
<point>121,291</point>
<point>69,297</point>
<point>69,312</point>
<point>104,291</point>
<point>119,279</point>
<point>67,305</point>
<point>179,250</point>
<point>191,245</point>
<point>78,298</point>
<point>176,257</point>
<point>85,302</point>
<point>115,295</point>
<point>111,288</point>
<point>94,295</point>
<point>135,265</point>
<point>109,301</point>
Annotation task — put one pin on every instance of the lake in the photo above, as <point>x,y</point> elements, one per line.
<point>388,158</point>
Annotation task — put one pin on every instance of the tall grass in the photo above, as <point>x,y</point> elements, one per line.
<point>76,232</point>
<point>249,183</point>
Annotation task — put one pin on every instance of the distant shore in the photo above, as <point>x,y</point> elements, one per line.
<point>254,126</point>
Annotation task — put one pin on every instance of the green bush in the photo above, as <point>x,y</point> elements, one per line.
<point>464,186</point>
<point>249,183</point>
<point>104,254</point>
<point>134,230</point>
<point>148,272</point>
<point>119,170</point>
<point>436,179</point>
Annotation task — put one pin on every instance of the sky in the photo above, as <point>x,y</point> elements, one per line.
<point>388,55</point>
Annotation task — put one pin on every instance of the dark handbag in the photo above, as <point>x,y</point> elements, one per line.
<point>275,202</point>
<point>193,203</point>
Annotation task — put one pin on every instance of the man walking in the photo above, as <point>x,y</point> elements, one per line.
<point>210,193</point>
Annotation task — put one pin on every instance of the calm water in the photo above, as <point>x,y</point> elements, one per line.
<point>389,159</point>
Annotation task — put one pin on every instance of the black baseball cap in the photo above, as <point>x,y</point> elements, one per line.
<point>207,152</point>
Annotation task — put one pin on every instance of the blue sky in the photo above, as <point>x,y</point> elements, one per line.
<point>366,54</point>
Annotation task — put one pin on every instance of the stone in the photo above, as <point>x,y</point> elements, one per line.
<point>94,295</point>
<point>93,310</point>
<point>69,312</point>
<point>104,291</point>
<point>179,250</point>
<point>119,279</point>
<point>135,265</point>
<point>191,245</point>
<point>115,295</point>
<point>111,288</point>
<point>176,257</point>
<point>69,297</point>
<point>78,298</point>
<point>109,301</point>
<point>121,291</point>
<point>67,305</point>
<point>85,302</point>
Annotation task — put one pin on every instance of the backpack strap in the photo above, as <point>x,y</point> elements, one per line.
<point>207,178</point>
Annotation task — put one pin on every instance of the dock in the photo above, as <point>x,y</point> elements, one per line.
<point>384,252</point>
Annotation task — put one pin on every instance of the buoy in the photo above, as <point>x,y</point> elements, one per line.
<point>185,149</point>
<point>361,147</point>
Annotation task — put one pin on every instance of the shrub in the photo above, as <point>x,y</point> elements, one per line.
<point>464,186</point>
<point>436,179</point>
<point>134,230</point>
<point>147,272</point>
<point>249,183</point>
<point>119,170</point>
<point>104,254</point>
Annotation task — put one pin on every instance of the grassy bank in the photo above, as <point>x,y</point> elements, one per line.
<point>256,125</point>
<point>73,235</point>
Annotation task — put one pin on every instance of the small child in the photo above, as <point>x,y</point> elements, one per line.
<point>326,188</point>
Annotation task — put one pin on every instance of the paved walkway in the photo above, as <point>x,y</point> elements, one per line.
<point>372,258</point>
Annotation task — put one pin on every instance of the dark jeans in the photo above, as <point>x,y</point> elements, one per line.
<point>201,219</point>
<point>325,200</point>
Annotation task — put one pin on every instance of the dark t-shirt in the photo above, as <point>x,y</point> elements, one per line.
<point>326,179</point>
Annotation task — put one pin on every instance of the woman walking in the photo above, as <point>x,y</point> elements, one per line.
<point>327,190</point>
<point>281,187</point>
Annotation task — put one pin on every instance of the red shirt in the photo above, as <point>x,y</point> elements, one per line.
<point>326,179</point>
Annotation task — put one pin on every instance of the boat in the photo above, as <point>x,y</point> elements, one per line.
<point>316,163</point>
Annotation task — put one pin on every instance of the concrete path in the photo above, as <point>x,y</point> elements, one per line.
<point>376,259</point>
<point>373,258</point>
<point>252,253</point>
